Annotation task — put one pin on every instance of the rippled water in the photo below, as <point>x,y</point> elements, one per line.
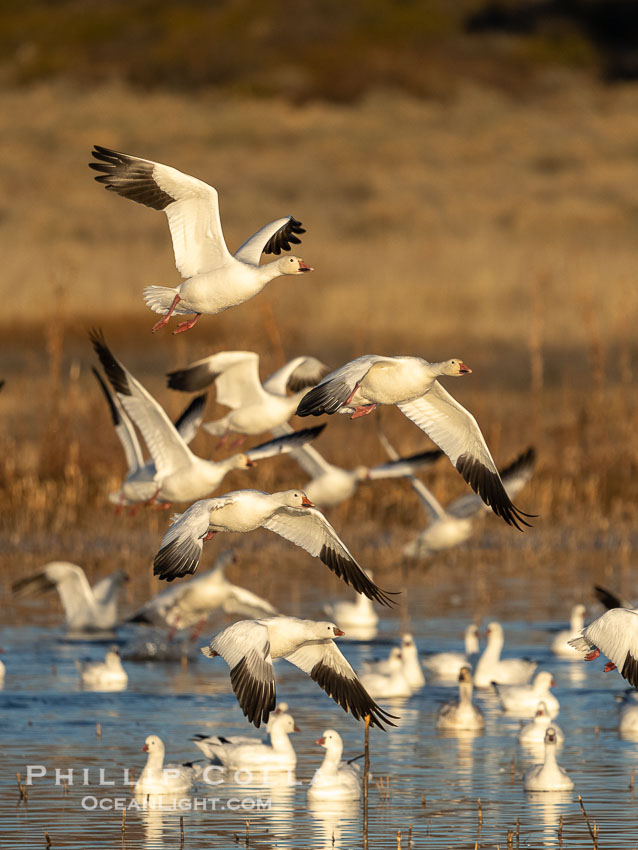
<point>434,780</point>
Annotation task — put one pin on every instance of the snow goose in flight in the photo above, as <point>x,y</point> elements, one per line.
<point>188,603</point>
<point>87,609</point>
<point>278,755</point>
<point>139,483</point>
<point>504,671</point>
<point>331,485</point>
<point>335,779</point>
<point>614,634</point>
<point>249,647</point>
<point>158,778</point>
<point>548,776</point>
<point>411,383</point>
<point>461,713</point>
<point>107,675</point>
<point>288,513</point>
<point>255,407</point>
<point>451,526</point>
<point>521,699</point>
<point>448,665</point>
<point>215,279</point>
<point>180,475</point>
<point>561,644</point>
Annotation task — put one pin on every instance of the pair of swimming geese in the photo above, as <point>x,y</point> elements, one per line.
<point>215,280</point>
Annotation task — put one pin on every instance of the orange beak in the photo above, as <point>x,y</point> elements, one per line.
<point>307,503</point>
<point>145,748</point>
<point>304,268</point>
<point>321,742</point>
<point>463,369</point>
<point>339,633</point>
<point>250,462</point>
<point>296,729</point>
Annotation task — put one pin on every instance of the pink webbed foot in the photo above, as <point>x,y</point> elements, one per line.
<point>593,654</point>
<point>186,326</point>
<point>363,410</point>
<point>609,666</point>
<point>209,535</point>
<point>164,320</point>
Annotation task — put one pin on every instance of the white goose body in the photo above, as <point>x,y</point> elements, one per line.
<point>628,716</point>
<point>561,644</point>
<point>614,634</point>
<point>412,669</point>
<point>250,646</point>
<point>504,671</point>
<point>215,278</point>
<point>388,685</point>
<point>87,609</point>
<point>108,674</point>
<point>288,513</point>
<point>183,605</point>
<point>158,778</point>
<point>278,755</point>
<point>335,779</point>
<point>448,665</point>
<point>180,475</point>
<point>358,614</point>
<point>548,776</point>
<point>533,733</point>
<point>411,383</point>
<point>523,699</point>
<point>461,713</point>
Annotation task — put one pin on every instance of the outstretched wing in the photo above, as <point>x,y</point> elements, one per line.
<point>182,544</point>
<point>325,664</point>
<point>456,431</point>
<point>272,238</point>
<point>296,375</point>
<point>191,206</point>
<point>309,529</point>
<point>337,387</point>
<point>245,647</point>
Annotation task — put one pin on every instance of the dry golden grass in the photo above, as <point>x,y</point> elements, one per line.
<point>499,232</point>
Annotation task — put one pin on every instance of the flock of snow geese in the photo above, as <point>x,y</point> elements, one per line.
<point>216,280</point>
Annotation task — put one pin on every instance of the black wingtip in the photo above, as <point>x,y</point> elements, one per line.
<point>172,561</point>
<point>607,598</point>
<point>114,371</point>
<point>488,485</point>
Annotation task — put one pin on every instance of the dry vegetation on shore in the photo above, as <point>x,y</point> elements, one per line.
<point>502,233</point>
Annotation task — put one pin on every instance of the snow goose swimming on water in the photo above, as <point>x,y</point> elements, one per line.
<point>335,779</point>
<point>203,741</point>
<point>504,671</point>
<point>561,644</point>
<point>249,647</point>
<point>548,776</point>
<point>188,603</point>
<point>158,778</point>
<point>289,514</point>
<point>107,675</point>
<point>215,278</point>
<point>533,733</point>
<point>461,713</point>
<point>180,475</point>
<point>614,634</point>
<point>411,383</point>
<point>519,699</point>
<point>451,526</point>
<point>388,685</point>
<point>448,665</point>
<point>255,408</point>
<point>86,609</point>
<point>278,755</point>
<point>359,615</point>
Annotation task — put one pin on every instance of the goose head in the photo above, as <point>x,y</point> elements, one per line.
<point>454,367</point>
<point>285,724</point>
<point>153,745</point>
<point>327,631</point>
<point>295,499</point>
<point>331,740</point>
<point>112,657</point>
<point>465,675</point>
<point>292,265</point>
<point>543,681</point>
<point>550,736</point>
<point>241,461</point>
